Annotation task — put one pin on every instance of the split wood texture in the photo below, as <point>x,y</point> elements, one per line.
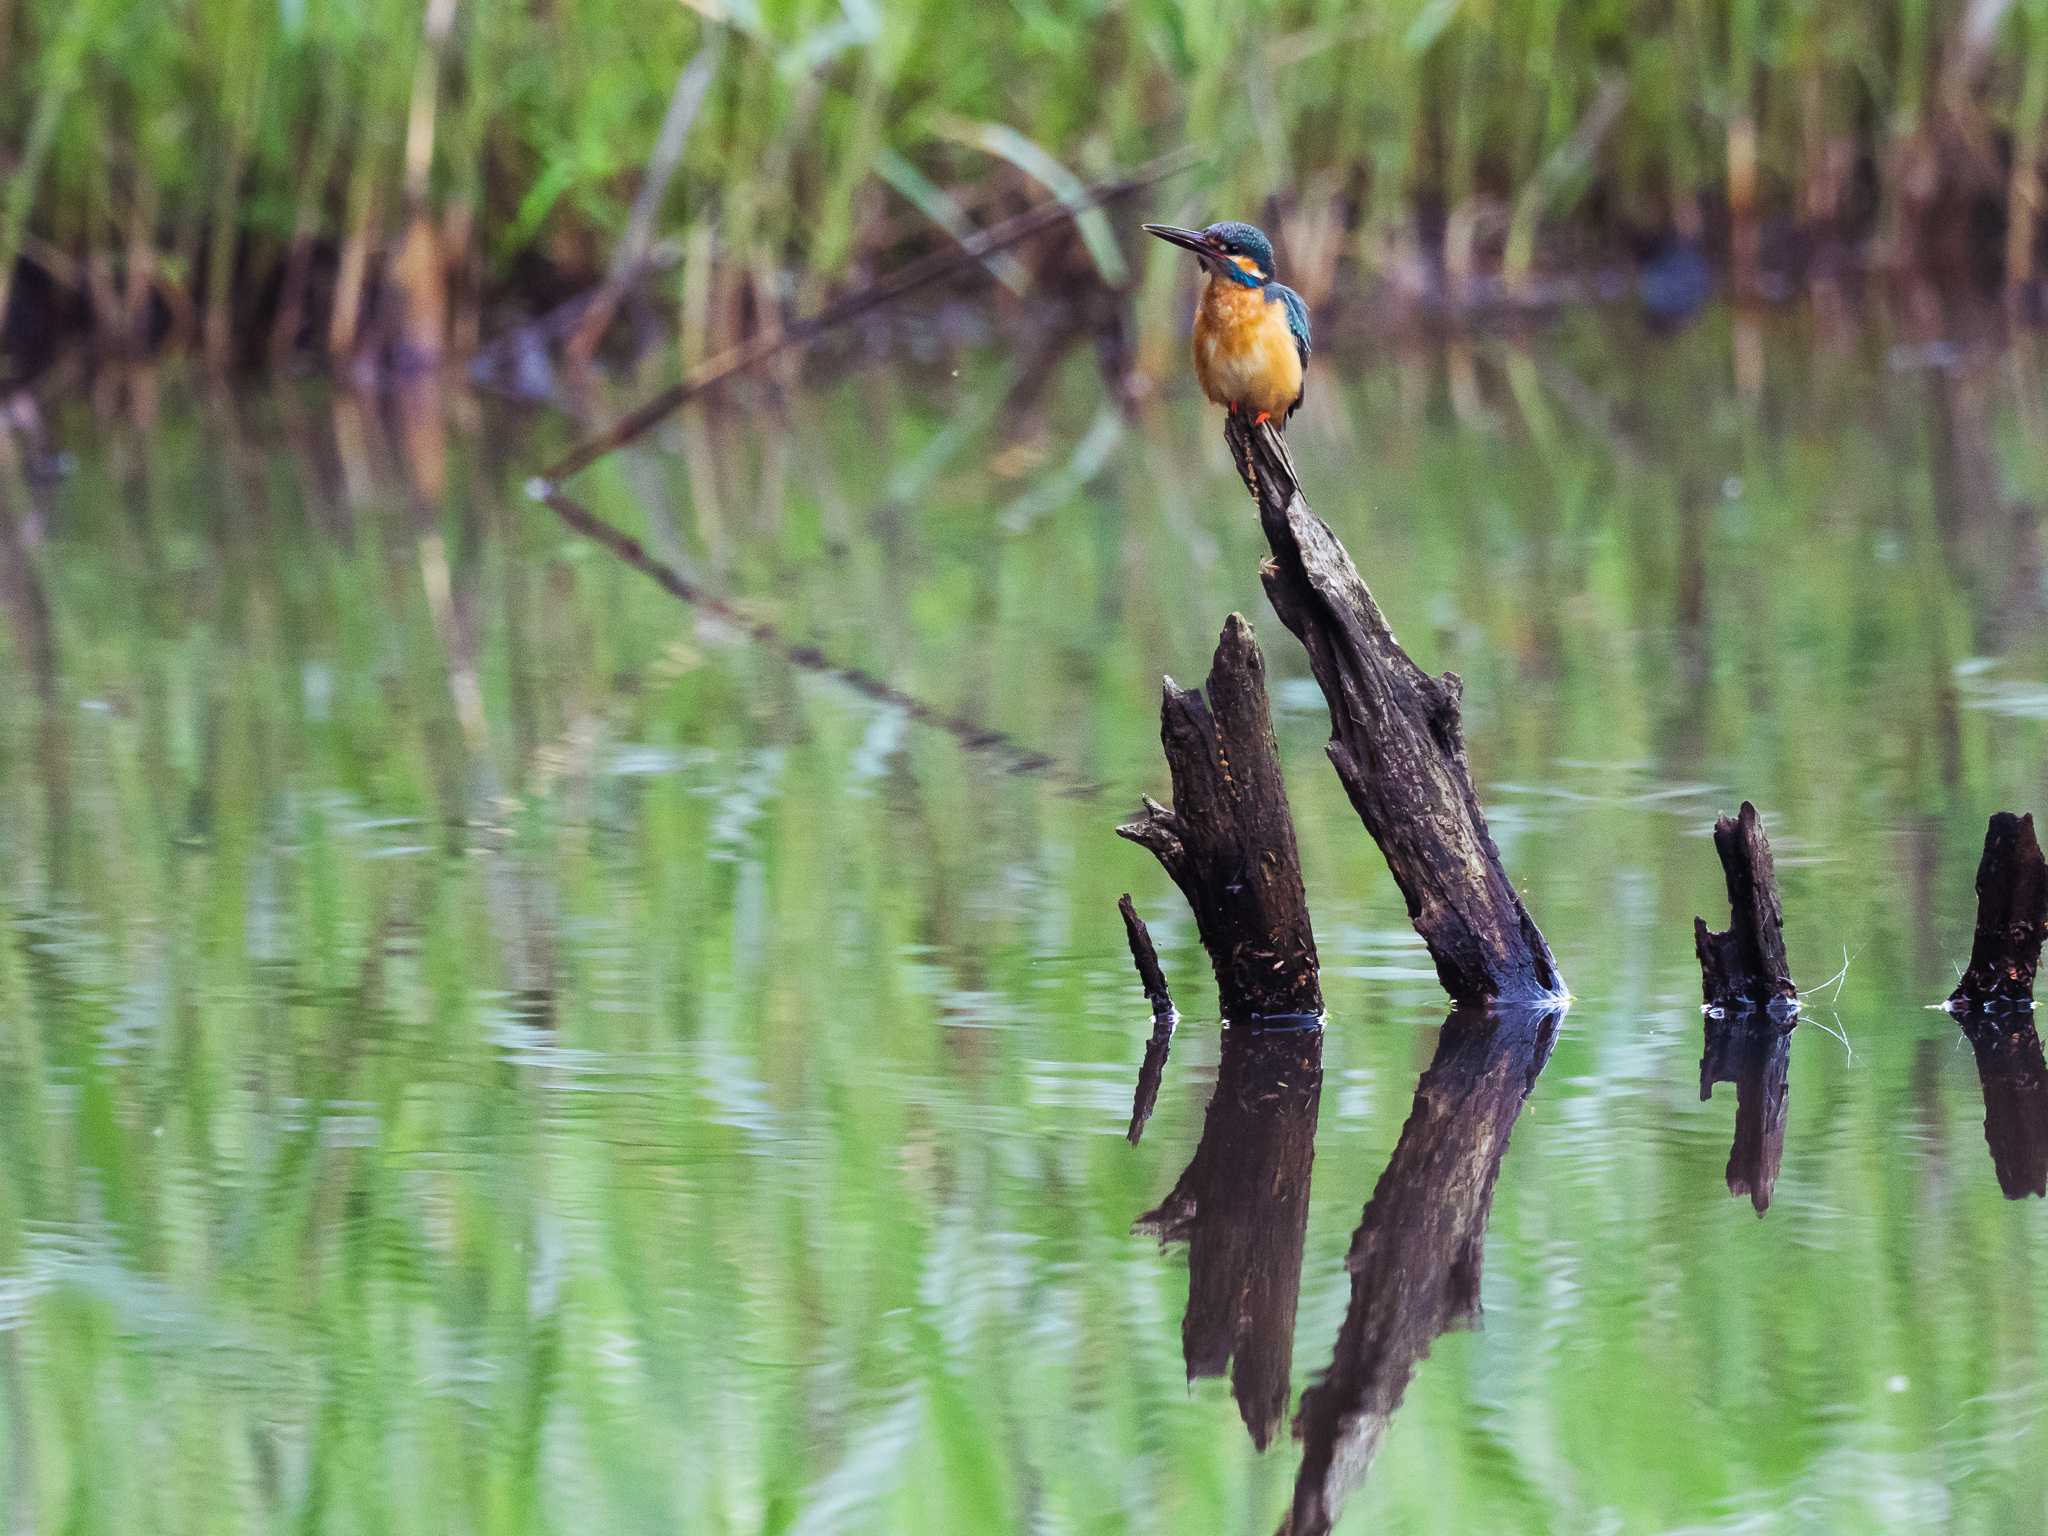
<point>1745,967</point>
<point>1228,838</point>
<point>1397,744</point>
<point>2012,916</point>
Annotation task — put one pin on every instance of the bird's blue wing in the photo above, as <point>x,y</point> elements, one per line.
<point>1297,315</point>
<point>1297,324</point>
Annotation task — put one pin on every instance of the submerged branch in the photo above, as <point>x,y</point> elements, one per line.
<point>1752,1005</point>
<point>1994,1002</point>
<point>1145,958</point>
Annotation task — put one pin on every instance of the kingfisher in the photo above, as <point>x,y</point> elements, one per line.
<point>1251,333</point>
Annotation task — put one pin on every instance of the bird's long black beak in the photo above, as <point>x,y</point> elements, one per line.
<point>1187,239</point>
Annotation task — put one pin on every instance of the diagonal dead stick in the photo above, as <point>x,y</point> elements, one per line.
<point>914,275</point>
<point>993,744</point>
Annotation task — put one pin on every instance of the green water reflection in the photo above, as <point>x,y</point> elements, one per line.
<point>486,1048</point>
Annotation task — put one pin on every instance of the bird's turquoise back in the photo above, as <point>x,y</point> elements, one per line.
<point>1297,315</point>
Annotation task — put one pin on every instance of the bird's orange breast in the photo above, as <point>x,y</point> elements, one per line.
<point>1245,356</point>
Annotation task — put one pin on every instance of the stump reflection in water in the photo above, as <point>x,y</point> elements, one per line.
<point>1242,1209</point>
<point>1753,1050</point>
<point>2015,1083</point>
<point>1165,1017</point>
<point>1415,1258</point>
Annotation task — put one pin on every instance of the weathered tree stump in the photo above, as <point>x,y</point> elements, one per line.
<point>2012,917</point>
<point>1753,1051</point>
<point>1752,1006</point>
<point>1397,745</point>
<point>1164,1016</point>
<point>1242,1209</point>
<point>1415,1258</point>
<point>2014,1078</point>
<point>1228,840</point>
<point>1745,967</point>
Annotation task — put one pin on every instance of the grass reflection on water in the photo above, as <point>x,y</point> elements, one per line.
<point>488,1048</point>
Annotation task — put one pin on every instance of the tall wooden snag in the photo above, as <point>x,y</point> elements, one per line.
<point>1228,842</point>
<point>1397,744</point>
<point>1228,838</point>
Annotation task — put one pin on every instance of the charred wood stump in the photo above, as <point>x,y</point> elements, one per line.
<point>1397,744</point>
<point>1745,967</point>
<point>1164,1016</point>
<point>1242,1209</point>
<point>2012,916</point>
<point>1228,839</point>
<point>1415,1258</point>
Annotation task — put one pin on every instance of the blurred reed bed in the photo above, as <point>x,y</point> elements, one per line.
<point>375,176</point>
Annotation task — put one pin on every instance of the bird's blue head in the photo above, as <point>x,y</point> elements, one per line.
<point>1229,249</point>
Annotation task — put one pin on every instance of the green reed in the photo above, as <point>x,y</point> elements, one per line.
<point>188,151</point>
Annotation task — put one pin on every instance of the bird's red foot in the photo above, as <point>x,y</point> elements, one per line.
<point>1262,418</point>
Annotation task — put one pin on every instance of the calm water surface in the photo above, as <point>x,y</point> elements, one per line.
<point>486,1047</point>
